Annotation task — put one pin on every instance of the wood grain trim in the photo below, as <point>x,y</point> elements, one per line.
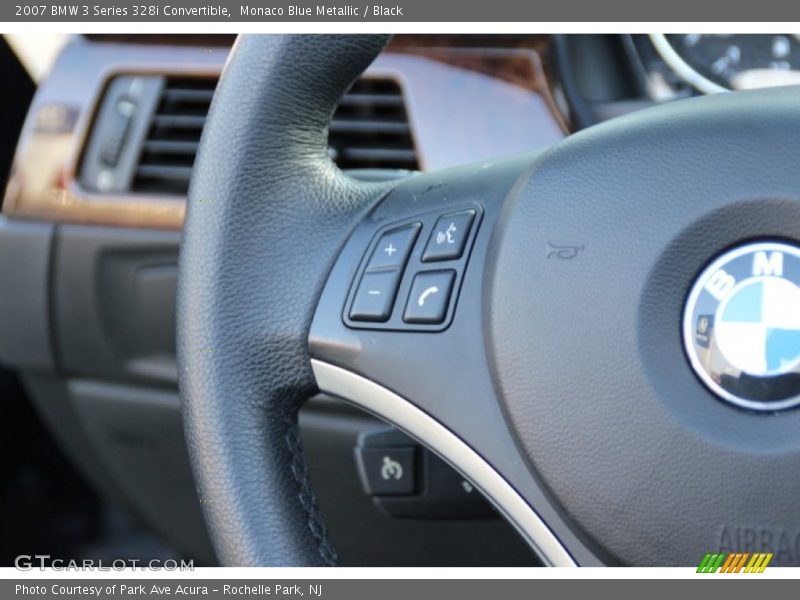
<point>521,67</point>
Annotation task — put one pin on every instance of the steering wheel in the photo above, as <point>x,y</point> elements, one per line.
<point>559,326</point>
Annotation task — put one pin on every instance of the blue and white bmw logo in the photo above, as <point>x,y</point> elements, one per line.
<point>741,327</point>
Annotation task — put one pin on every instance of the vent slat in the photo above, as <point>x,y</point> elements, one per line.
<point>188,95</point>
<point>179,121</point>
<point>370,130</point>
<point>171,147</point>
<point>368,126</point>
<point>367,100</point>
<point>181,173</point>
<point>393,155</point>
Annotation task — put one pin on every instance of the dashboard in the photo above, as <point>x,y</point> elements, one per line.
<point>412,100</point>
<point>453,100</point>
<point>96,200</point>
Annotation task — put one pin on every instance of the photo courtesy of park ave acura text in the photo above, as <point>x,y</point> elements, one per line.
<point>279,289</point>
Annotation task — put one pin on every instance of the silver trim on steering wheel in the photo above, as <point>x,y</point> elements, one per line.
<point>386,404</point>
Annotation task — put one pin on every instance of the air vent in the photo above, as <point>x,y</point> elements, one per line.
<point>370,130</point>
<point>168,151</point>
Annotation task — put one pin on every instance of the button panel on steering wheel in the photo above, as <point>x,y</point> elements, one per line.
<point>411,272</point>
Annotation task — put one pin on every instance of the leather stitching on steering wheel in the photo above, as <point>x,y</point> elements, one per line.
<point>306,495</point>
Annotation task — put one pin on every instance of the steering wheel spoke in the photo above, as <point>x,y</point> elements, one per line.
<point>398,332</point>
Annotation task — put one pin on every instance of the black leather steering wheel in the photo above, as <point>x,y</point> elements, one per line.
<point>522,317</point>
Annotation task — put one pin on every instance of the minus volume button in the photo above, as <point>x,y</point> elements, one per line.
<point>374,298</point>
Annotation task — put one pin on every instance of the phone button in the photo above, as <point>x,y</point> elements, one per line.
<point>429,297</point>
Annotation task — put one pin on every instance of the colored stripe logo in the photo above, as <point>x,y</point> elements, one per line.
<point>735,562</point>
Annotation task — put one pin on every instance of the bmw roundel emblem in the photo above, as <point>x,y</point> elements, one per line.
<point>741,327</point>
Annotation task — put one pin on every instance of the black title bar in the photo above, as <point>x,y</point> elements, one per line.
<point>238,11</point>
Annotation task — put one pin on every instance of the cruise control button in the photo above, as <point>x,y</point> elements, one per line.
<point>374,298</point>
<point>393,248</point>
<point>429,297</point>
<point>449,237</point>
<point>387,471</point>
